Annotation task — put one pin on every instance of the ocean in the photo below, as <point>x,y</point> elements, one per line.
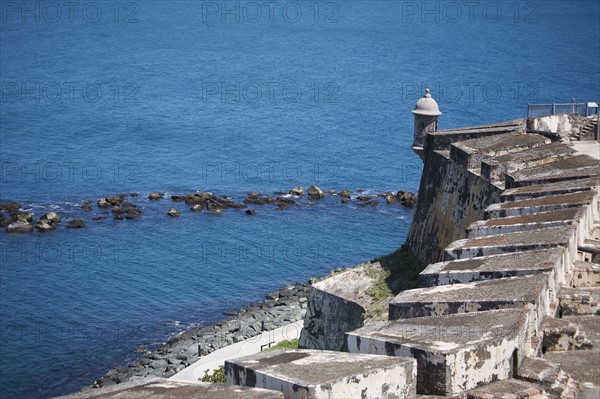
<point>105,97</point>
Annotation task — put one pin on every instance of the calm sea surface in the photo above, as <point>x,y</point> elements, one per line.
<point>102,97</point>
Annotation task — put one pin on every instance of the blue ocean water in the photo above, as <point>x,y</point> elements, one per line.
<point>101,97</point>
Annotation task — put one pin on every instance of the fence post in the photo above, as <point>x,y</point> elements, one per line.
<point>528,110</point>
<point>553,108</point>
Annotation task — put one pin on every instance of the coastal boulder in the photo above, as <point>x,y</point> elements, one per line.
<point>407,199</point>
<point>390,198</point>
<point>315,192</point>
<point>173,212</point>
<point>20,226</point>
<point>345,193</point>
<point>156,195</point>
<point>86,206</point>
<point>103,203</point>
<point>114,200</point>
<point>250,212</point>
<point>196,208</point>
<point>51,218</point>
<point>297,191</point>
<point>43,226</point>
<point>25,216</point>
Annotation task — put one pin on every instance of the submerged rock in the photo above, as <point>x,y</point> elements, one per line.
<point>372,202</point>
<point>250,212</point>
<point>86,206</point>
<point>10,207</point>
<point>76,224</point>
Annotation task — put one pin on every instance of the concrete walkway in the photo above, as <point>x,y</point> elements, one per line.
<point>247,347</point>
<point>591,148</point>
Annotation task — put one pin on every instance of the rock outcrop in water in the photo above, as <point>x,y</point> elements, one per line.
<point>126,207</point>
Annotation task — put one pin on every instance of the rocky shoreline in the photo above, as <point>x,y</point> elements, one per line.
<point>278,309</point>
<point>130,206</point>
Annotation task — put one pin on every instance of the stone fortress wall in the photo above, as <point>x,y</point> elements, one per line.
<point>507,226</point>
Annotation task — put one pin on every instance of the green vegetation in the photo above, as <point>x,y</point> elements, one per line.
<point>401,272</point>
<point>217,376</point>
<point>286,344</point>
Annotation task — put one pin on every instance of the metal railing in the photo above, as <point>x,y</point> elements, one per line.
<point>536,110</point>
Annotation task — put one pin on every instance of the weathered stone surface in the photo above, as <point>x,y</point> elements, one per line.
<point>579,301</point>
<point>564,236</point>
<point>577,167</point>
<point>542,204</point>
<point>450,199</point>
<point>497,167</point>
<point>442,139</point>
<point>531,292</point>
<point>526,222</point>
<point>493,267</point>
<point>470,153</point>
<point>336,306</point>
<point>506,389</point>
<point>157,388</point>
<point>586,274</point>
<point>545,189</point>
<point>562,335</point>
<point>323,374</point>
<point>454,353</point>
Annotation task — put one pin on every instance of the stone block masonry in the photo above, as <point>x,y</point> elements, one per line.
<point>312,374</point>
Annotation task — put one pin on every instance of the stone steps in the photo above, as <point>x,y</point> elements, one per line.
<point>551,237</point>
<point>454,352</point>
<point>314,374</point>
<point>529,292</point>
<point>526,222</point>
<point>577,167</point>
<point>494,267</point>
<point>545,204</point>
<point>545,189</point>
<point>496,168</point>
<point>470,153</point>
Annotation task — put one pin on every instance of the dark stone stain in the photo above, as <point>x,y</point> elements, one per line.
<point>390,349</point>
<point>250,378</point>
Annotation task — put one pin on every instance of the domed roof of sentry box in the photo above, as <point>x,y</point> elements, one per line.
<point>427,105</point>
